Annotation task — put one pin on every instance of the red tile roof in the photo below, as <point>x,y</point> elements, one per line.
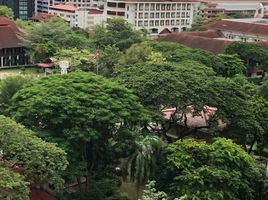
<point>196,42</point>
<point>94,11</point>
<point>42,16</point>
<point>165,31</point>
<point>8,38</point>
<point>64,7</point>
<point>37,194</point>
<point>8,22</point>
<point>242,27</point>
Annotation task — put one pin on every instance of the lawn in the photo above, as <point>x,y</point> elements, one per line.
<point>26,70</point>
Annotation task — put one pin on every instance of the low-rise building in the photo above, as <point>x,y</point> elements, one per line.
<point>250,30</point>
<point>12,51</point>
<point>154,15</point>
<point>43,5</point>
<point>78,17</point>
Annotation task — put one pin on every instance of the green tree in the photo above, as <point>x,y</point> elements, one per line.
<point>199,170</point>
<point>46,38</point>
<point>198,23</point>
<point>142,162</point>
<point>13,185</point>
<point>6,12</point>
<point>41,161</point>
<point>232,65</point>
<point>8,87</point>
<point>81,112</point>
<point>263,89</point>
<point>79,59</point>
<point>117,32</point>
<point>250,53</point>
<point>150,193</point>
<point>108,59</point>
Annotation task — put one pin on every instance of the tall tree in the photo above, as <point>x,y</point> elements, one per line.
<point>40,161</point>
<point>6,12</point>
<point>199,170</point>
<point>81,112</point>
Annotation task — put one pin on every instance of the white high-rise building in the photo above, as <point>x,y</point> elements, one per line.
<point>84,3</point>
<point>154,15</point>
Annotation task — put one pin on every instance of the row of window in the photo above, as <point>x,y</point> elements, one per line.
<point>162,22</point>
<point>163,15</point>
<point>158,7</point>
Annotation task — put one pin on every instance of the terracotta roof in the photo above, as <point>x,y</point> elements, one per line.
<point>94,11</point>
<point>64,7</point>
<point>207,34</point>
<point>196,42</point>
<point>8,38</point>
<point>242,27</point>
<point>37,194</point>
<point>165,31</point>
<point>195,121</point>
<point>42,16</point>
<point>8,22</point>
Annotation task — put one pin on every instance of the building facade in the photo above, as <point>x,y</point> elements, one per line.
<point>85,3</point>
<point>78,17</point>
<point>43,5</point>
<point>154,15</point>
<point>23,9</point>
<point>12,51</point>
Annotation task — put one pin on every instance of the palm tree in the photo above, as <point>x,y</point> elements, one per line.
<point>141,164</point>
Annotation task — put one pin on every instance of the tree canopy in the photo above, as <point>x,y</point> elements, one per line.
<point>6,12</point>
<point>80,111</point>
<point>199,170</point>
<point>40,161</point>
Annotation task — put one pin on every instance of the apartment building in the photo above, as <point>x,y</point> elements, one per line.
<point>85,3</point>
<point>78,17</point>
<point>23,9</point>
<point>154,15</point>
<point>43,5</point>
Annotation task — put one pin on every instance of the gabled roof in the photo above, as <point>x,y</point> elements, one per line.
<point>64,7</point>
<point>42,16</point>
<point>165,31</point>
<point>196,42</point>
<point>94,11</point>
<point>8,38</point>
<point>242,27</point>
<point>37,194</point>
<point>8,22</point>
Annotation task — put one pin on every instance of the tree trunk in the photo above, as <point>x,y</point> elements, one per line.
<point>251,145</point>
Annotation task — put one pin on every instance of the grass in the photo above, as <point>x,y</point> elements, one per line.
<point>27,70</point>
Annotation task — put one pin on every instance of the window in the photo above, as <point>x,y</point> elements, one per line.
<point>147,6</point>
<point>172,22</point>
<point>173,15</point>
<point>173,6</point>
<point>151,22</point>
<point>141,6</point>
<point>156,15</point>
<point>163,7</point>
<point>146,23</point>
<point>151,15</point>
<point>111,4</point>
<point>177,22</point>
<point>146,15</point>
<point>167,15</point>
<point>152,6</point>
<point>167,22</point>
<point>139,23</point>
<point>162,15</point>
<point>157,7</point>
<point>121,5</point>
<point>157,23</point>
<point>168,6</point>
<point>140,15</point>
<point>162,22</point>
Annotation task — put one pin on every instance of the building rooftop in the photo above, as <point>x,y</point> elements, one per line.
<point>167,1</point>
<point>64,7</point>
<point>11,23</point>
<point>94,11</point>
<point>42,16</point>
<point>239,26</point>
<point>207,40</point>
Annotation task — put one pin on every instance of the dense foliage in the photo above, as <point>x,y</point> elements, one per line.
<point>198,170</point>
